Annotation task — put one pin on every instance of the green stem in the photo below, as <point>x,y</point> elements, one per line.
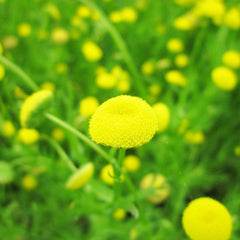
<point>7,63</point>
<point>121,45</point>
<point>80,135</point>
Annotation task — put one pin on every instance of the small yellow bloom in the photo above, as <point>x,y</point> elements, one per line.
<point>48,86</point>
<point>123,122</point>
<point>28,136</point>
<point>123,79</point>
<point>181,60</point>
<point>58,134</point>
<point>157,183</point>
<point>163,114</point>
<point>106,80</point>
<point>2,72</point>
<point>224,78</point>
<point>24,29</point>
<point>91,51</point>
<point>131,163</point>
<point>88,106</point>
<point>175,45</point>
<point>8,129</point>
<point>129,14</point>
<point>147,68</point>
<point>207,219</point>
<point>60,36</point>
<point>19,93</point>
<point>194,137</point>
<point>33,106</point>
<point>53,11</point>
<point>84,11</point>
<point>119,214</point>
<point>81,177</point>
<point>107,174</point>
<point>154,89</point>
<point>61,68</point>
<point>29,182</point>
<point>6,173</point>
<point>115,16</point>
<point>231,59</point>
<point>186,22</point>
<point>232,18</point>
<point>176,77</point>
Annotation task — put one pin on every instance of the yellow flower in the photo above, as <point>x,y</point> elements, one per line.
<point>157,183</point>
<point>186,22</point>
<point>194,137</point>
<point>163,63</point>
<point>106,80</point>
<point>19,93</point>
<point>115,16</point>
<point>181,60</point>
<point>58,134</point>
<point>48,86</point>
<point>119,214</point>
<point>33,107</point>
<point>24,30</point>
<point>6,173</point>
<point>123,122</point>
<point>163,115</point>
<point>107,174</point>
<point>84,11</point>
<point>131,163</point>
<point>129,14</point>
<point>8,129</point>
<point>122,77</point>
<point>61,68</point>
<point>29,182</point>
<point>60,36</point>
<point>175,45</point>
<point>2,72</point>
<point>176,77</point>
<point>207,219</point>
<point>232,18</point>
<point>147,68</point>
<point>88,106</point>
<point>154,89</point>
<point>28,136</point>
<point>53,11</point>
<point>224,78</point>
<point>231,59</point>
<point>81,177</point>
<point>91,51</point>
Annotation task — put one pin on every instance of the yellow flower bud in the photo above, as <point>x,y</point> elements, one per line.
<point>129,14</point>
<point>175,45</point>
<point>154,89</point>
<point>176,77</point>
<point>147,68</point>
<point>29,182</point>
<point>61,68</point>
<point>194,137</point>
<point>24,30</point>
<point>84,11</point>
<point>28,136</point>
<point>207,219</point>
<point>123,122</point>
<point>231,59</point>
<point>58,134</point>
<point>60,36</point>
<point>88,106</point>
<point>107,174</point>
<point>131,163</point>
<point>53,11</point>
<point>115,16</point>
<point>8,129</point>
<point>163,115</point>
<point>91,51</point>
<point>106,80</point>
<point>119,214</point>
<point>181,60</point>
<point>232,18</point>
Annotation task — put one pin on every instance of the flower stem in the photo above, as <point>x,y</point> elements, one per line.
<point>7,63</point>
<point>121,45</point>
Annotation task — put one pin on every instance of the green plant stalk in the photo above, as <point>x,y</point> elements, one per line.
<point>7,63</point>
<point>122,46</point>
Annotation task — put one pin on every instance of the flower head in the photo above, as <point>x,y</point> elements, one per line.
<point>207,219</point>
<point>175,45</point>
<point>131,163</point>
<point>176,77</point>
<point>163,115</point>
<point>231,59</point>
<point>91,51</point>
<point>88,106</point>
<point>29,182</point>
<point>60,36</point>
<point>32,106</point>
<point>24,30</point>
<point>28,136</point>
<point>123,122</point>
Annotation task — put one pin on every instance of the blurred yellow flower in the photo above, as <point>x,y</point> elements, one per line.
<point>48,86</point>
<point>175,45</point>
<point>29,182</point>
<point>122,77</point>
<point>237,150</point>
<point>119,214</point>
<point>185,2</point>
<point>186,22</point>
<point>194,137</point>
<point>207,219</point>
<point>88,106</point>
<point>106,80</point>
<point>129,14</point>
<point>224,78</point>
<point>154,89</point>
<point>2,72</point>
<point>115,16</point>
<point>28,136</point>
<point>84,11</point>
<point>19,93</point>
<point>181,60</point>
<point>8,130</point>
<point>58,134</point>
<point>91,51</point>
<point>163,63</point>
<point>123,122</point>
<point>157,183</point>
<point>24,29</point>
<point>163,115</point>
<point>61,68</point>
<point>81,177</point>
<point>60,36</point>
<point>147,68</point>
<point>131,163</point>
<point>53,11</point>
<point>176,77</point>
<point>232,18</point>
<point>231,59</point>
<point>107,174</point>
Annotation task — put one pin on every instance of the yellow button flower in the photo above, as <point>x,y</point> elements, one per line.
<point>29,182</point>
<point>181,60</point>
<point>106,80</point>
<point>91,51</point>
<point>231,59</point>
<point>28,136</point>
<point>207,219</point>
<point>119,214</point>
<point>194,137</point>
<point>129,14</point>
<point>175,45</point>
<point>147,68</point>
<point>84,11</point>
<point>107,174</point>
<point>224,78</point>
<point>48,86</point>
<point>60,36</point>
<point>163,115</point>
<point>61,68</point>
<point>81,177</point>
<point>157,183</point>
<point>33,106</point>
<point>186,22</point>
<point>24,30</point>
<point>123,122</point>
<point>176,77</point>
<point>131,163</point>
<point>232,18</point>
<point>8,129</point>
<point>58,134</point>
<point>154,89</point>
<point>88,106</point>
<point>115,16</point>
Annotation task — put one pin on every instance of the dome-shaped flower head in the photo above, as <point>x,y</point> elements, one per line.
<point>207,219</point>
<point>123,122</point>
<point>33,107</point>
